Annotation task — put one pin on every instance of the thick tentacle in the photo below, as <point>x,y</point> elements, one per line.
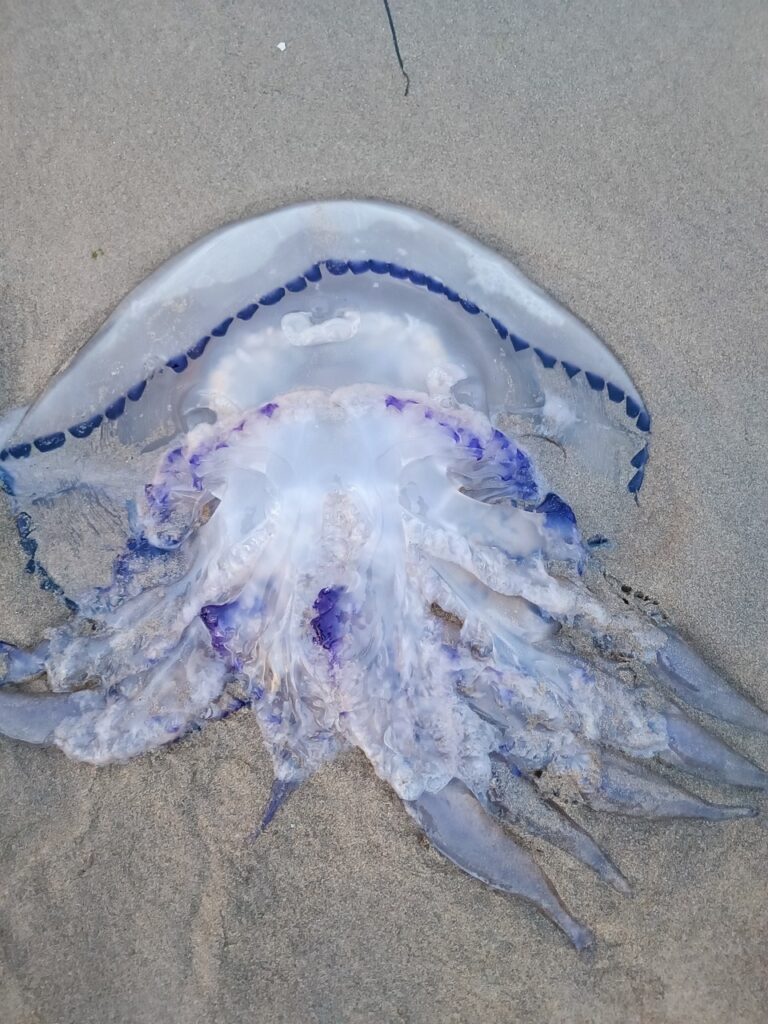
<point>145,711</point>
<point>694,682</point>
<point>522,806</point>
<point>456,824</point>
<point>695,750</point>
<point>623,788</point>
<point>35,718</point>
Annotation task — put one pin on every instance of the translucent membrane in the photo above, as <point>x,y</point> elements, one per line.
<point>295,471</point>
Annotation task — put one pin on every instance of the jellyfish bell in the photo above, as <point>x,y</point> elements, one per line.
<point>298,470</point>
<point>321,296</point>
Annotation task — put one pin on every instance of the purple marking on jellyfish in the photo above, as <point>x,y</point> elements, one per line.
<point>452,431</point>
<point>138,551</point>
<point>557,511</point>
<point>393,402</point>
<point>516,469</point>
<point>217,619</point>
<point>158,501</point>
<point>330,619</point>
<point>269,409</point>
<point>194,461</point>
<point>475,445</point>
<point>235,705</point>
<point>459,435</point>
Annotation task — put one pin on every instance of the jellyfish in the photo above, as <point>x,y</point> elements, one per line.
<point>315,467</point>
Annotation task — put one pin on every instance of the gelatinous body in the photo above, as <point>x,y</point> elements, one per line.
<point>295,471</point>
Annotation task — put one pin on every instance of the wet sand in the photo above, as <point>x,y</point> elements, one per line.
<point>616,151</point>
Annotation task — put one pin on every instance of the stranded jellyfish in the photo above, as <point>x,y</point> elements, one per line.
<point>301,470</point>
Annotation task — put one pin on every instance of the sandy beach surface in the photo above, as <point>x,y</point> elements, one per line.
<point>617,152</point>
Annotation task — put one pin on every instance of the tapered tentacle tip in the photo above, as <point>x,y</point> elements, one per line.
<point>280,792</point>
<point>726,812</point>
<point>579,935</point>
<point>611,874</point>
<point>693,681</point>
<point>695,750</point>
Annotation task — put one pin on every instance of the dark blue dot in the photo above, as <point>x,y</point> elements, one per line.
<point>177,363</point>
<point>87,427</point>
<point>197,349</point>
<point>28,546</point>
<point>501,330</point>
<point>359,266</point>
<point>296,284</point>
<point>571,369</point>
<point>640,458</point>
<point>23,524</point>
<point>6,482</point>
<point>247,311</point>
<point>633,408</point>
<point>116,409</point>
<point>47,583</point>
<point>136,391</point>
<point>3,455</point>
<point>636,482</point>
<point>314,273</point>
<point>271,297</point>
<point>596,382</point>
<point>644,422</point>
<point>451,295</point>
<point>469,307</point>
<point>379,266</point>
<point>417,277</point>
<point>615,394</point>
<point>599,540</point>
<point>50,442</point>
<point>395,270</point>
<point>20,451</point>
<point>517,343</point>
<point>548,360</point>
<point>221,330</point>
<point>433,285</point>
<point>336,267</point>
